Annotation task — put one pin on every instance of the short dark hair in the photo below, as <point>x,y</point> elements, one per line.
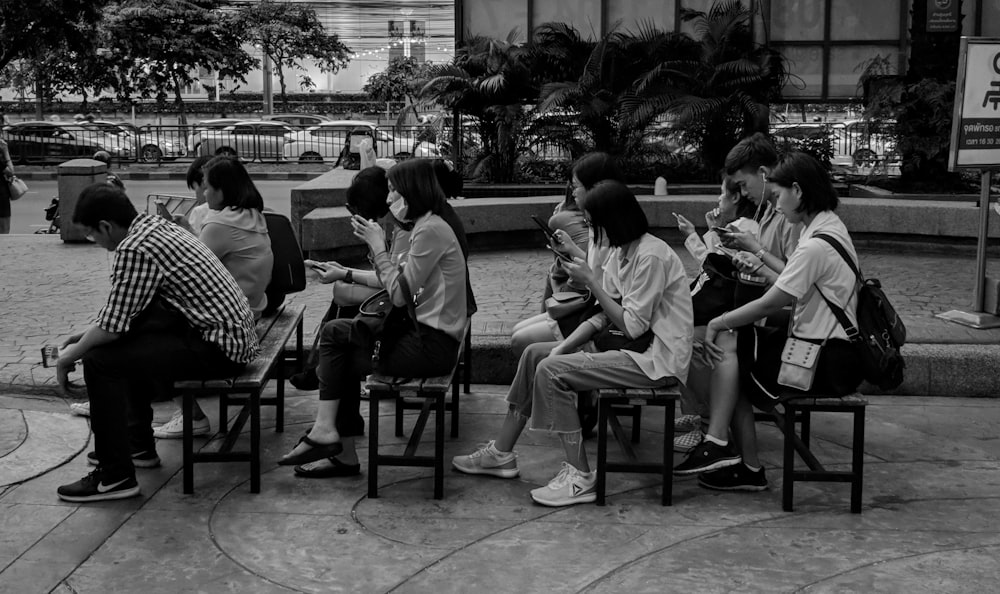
<point>451,181</point>
<point>414,179</point>
<point>232,179</point>
<point>195,172</point>
<point>818,193</point>
<point>368,191</point>
<point>752,152</point>
<point>103,202</point>
<point>614,211</point>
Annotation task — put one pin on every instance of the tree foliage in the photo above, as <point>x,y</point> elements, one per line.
<point>290,33</point>
<point>29,28</point>
<point>157,48</point>
<point>400,81</point>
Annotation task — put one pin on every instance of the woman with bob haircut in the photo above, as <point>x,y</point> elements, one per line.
<point>814,273</point>
<point>643,293</point>
<point>432,275</point>
<point>574,240</point>
<point>235,230</point>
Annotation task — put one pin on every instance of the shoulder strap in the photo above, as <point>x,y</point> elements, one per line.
<point>411,307</point>
<point>843,254</point>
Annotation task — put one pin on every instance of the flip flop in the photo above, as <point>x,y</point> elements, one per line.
<point>339,469</point>
<point>317,451</point>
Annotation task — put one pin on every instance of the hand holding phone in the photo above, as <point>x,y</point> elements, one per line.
<point>553,238</point>
<point>50,354</point>
<point>723,230</point>
<point>161,209</point>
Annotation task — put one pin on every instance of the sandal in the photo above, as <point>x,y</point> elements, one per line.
<point>339,469</point>
<point>316,451</point>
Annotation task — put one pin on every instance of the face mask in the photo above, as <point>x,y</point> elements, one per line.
<point>398,209</point>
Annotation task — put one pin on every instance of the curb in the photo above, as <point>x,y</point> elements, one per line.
<point>181,175</point>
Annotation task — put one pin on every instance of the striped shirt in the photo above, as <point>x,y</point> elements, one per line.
<point>158,259</point>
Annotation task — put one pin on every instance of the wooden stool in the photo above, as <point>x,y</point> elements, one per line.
<point>615,402</point>
<point>797,409</point>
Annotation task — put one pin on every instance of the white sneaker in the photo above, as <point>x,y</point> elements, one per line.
<point>686,442</point>
<point>488,460</point>
<point>174,428</point>
<point>80,408</point>
<point>569,487</point>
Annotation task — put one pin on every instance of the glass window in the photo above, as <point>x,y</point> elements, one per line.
<point>580,12</point>
<point>699,5</point>
<point>991,18</point>
<point>847,64</point>
<point>864,19</point>
<point>795,20</point>
<point>495,18</point>
<point>806,66</point>
<point>633,12</point>
<point>242,129</point>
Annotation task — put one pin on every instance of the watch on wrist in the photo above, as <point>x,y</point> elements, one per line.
<point>349,276</point>
<point>760,254</point>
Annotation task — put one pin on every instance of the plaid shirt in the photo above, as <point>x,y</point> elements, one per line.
<point>160,259</point>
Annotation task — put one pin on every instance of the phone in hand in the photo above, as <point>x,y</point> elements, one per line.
<point>562,256</point>
<point>162,210</point>
<point>553,238</point>
<point>50,354</point>
<point>723,230</point>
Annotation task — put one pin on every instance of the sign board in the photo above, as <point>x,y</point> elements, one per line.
<point>942,16</point>
<point>975,128</point>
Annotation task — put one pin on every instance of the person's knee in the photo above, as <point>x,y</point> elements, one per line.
<point>519,341</point>
<point>336,332</point>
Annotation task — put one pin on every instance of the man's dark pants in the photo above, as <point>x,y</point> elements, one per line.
<point>121,377</point>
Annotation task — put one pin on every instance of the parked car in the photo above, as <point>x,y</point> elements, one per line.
<point>194,139</point>
<point>56,142</point>
<point>297,120</point>
<point>248,140</point>
<point>326,141</point>
<point>146,143</point>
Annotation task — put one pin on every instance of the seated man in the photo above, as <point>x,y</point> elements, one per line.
<point>173,312</point>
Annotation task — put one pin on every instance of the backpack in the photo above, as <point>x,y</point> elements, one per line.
<point>288,274</point>
<point>880,331</point>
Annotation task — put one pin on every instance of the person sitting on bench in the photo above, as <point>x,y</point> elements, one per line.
<point>174,312</point>
<point>641,338</point>
<point>431,277</point>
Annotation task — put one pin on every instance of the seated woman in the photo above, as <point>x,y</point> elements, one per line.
<point>813,272</point>
<point>574,240</point>
<point>643,293</point>
<point>433,275</point>
<point>735,211</point>
<point>235,230</point>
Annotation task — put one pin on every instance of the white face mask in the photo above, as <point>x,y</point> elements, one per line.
<point>399,209</point>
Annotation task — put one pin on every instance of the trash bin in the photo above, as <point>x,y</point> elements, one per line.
<point>73,177</point>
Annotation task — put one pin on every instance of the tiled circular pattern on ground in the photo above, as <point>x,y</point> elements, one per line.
<point>50,440</point>
<point>13,430</point>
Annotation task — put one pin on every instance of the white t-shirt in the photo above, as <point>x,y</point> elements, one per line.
<point>815,263</point>
<point>196,218</point>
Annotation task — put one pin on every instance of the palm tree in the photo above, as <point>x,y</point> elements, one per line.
<point>489,80</point>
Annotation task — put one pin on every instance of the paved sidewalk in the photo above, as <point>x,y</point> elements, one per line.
<point>930,521</point>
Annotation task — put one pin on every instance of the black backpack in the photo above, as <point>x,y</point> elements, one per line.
<point>288,274</point>
<point>880,331</point>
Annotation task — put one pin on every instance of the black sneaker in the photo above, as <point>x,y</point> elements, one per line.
<point>143,459</point>
<point>97,487</point>
<point>734,478</point>
<point>707,456</point>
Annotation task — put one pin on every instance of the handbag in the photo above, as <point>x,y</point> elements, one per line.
<point>799,359</point>
<point>17,187</point>
<point>611,338</point>
<point>713,292</point>
<point>379,323</point>
<point>566,303</point>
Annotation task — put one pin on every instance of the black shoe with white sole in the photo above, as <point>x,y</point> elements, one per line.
<point>97,486</point>
<point>706,456</point>
<point>734,478</point>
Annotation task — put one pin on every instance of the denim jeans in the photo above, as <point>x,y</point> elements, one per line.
<point>119,376</point>
<point>545,388</point>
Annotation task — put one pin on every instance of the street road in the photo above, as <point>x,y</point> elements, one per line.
<point>27,214</point>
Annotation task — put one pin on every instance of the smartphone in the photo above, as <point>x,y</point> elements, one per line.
<point>562,256</point>
<point>161,209</point>
<point>545,229</point>
<point>723,230</point>
<point>50,354</point>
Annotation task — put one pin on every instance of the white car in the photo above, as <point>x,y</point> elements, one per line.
<point>247,140</point>
<point>326,141</point>
<point>147,143</point>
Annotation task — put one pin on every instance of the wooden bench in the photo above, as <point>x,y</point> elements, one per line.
<point>613,403</point>
<point>245,389</point>
<point>798,410</point>
<point>425,395</point>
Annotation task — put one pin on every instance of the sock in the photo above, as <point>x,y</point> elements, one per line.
<point>716,440</point>
<point>752,468</point>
